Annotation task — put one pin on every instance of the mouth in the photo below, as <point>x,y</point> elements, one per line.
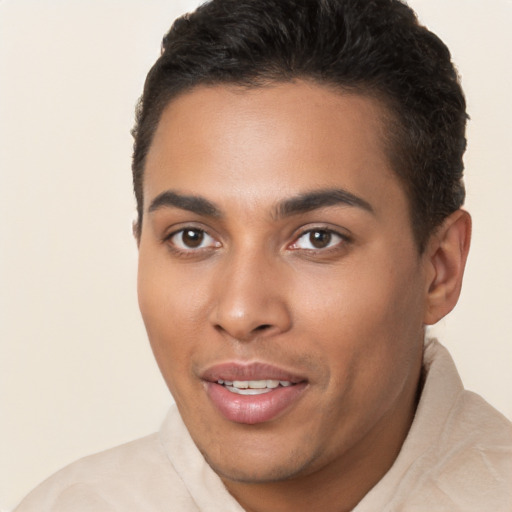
<point>252,393</point>
<point>254,387</point>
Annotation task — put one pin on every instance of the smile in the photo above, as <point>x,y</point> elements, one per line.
<point>252,393</point>
<point>253,387</point>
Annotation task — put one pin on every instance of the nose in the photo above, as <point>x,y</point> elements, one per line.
<point>250,298</point>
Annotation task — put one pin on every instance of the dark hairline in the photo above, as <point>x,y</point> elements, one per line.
<point>342,44</point>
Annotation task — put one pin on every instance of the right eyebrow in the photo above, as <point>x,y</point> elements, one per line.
<point>194,204</point>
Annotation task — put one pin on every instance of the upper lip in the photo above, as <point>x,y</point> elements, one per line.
<point>231,371</point>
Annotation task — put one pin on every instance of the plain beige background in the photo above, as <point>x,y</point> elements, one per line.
<point>76,372</point>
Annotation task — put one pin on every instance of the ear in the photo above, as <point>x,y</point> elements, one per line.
<point>446,254</point>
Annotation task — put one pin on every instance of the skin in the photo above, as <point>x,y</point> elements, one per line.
<point>250,285</point>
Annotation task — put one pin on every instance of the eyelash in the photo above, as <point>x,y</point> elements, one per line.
<point>193,251</point>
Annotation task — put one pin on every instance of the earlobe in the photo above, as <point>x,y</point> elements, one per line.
<point>447,252</point>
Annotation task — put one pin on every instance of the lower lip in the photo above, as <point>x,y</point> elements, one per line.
<point>252,409</point>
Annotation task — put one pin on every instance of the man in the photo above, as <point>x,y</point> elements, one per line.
<point>298,174</point>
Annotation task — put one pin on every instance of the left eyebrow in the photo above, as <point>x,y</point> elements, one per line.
<point>317,199</point>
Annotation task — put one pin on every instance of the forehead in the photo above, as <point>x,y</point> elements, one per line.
<point>271,141</point>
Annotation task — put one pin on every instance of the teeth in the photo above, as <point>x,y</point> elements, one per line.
<point>257,384</point>
<point>248,391</point>
<point>267,384</point>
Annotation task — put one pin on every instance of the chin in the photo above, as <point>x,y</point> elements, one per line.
<point>259,470</point>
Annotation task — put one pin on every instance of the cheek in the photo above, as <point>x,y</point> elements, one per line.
<point>367,319</point>
<point>169,311</point>
<point>169,295</point>
<point>355,302</point>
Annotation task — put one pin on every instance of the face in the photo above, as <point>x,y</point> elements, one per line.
<point>279,281</point>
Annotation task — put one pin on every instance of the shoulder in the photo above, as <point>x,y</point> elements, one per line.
<point>458,453</point>
<point>469,467</point>
<point>466,422</point>
<point>133,476</point>
<point>478,442</point>
<point>467,463</point>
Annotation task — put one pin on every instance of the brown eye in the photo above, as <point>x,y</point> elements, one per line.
<point>192,238</point>
<point>318,239</point>
<point>189,239</point>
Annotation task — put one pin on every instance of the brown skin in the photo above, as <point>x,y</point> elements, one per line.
<point>348,315</point>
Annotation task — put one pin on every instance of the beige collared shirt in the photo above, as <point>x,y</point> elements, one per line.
<point>456,457</point>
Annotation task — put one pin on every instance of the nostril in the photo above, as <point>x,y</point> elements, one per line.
<point>263,327</point>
